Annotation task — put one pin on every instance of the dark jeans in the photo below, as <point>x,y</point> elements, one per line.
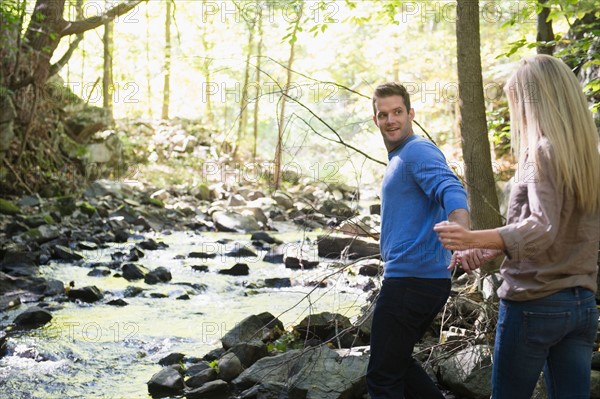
<point>555,333</point>
<point>404,310</point>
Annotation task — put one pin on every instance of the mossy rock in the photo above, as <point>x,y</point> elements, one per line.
<point>87,208</point>
<point>156,202</point>
<point>203,192</point>
<point>8,208</point>
<point>66,205</point>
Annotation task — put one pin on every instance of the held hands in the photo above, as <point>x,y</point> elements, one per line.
<point>455,237</point>
<point>472,259</point>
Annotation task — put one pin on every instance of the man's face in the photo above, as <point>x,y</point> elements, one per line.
<point>393,120</point>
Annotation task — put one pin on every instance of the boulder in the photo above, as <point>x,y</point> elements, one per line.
<point>333,245</point>
<point>86,294</point>
<point>131,271</point>
<point>235,222</point>
<point>253,328</point>
<point>229,366</point>
<point>469,372</point>
<point>166,382</point>
<point>201,378</point>
<point>158,275</point>
<point>272,369</point>
<point>239,269</point>
<point>172,358</point>
<point>369,267</point>
<point>65,253</point>
<point>32,317</point>
<point>322,326</point>
<point>212,389</point>
<point>249,352</point>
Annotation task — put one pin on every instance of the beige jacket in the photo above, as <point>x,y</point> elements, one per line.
<point>551,245</point>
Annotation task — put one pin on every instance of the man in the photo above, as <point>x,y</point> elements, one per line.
<point>418,191</point>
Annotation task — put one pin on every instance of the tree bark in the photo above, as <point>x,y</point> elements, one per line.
<point>257,82</point>
<point>545,32</point>
<point>281,125</point>
<point>107,79</point>
<point>167,65</point>
<point>243,118</point>
<point>479,176</point>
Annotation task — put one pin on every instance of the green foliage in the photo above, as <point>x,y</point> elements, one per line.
<point>499,129</point>
<point>215,365</point>
<point>287,341</point>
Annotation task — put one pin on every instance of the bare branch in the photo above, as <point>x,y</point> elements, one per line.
<point>75,27</point>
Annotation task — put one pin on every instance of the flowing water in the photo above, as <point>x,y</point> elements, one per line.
<point>101,351</point>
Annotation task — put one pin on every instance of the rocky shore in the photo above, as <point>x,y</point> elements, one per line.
<point>322,356</point>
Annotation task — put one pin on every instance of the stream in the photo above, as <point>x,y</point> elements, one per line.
<point>102,351</point>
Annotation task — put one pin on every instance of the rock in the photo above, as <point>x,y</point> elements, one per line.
<point>337,208</point>
<point>196,367</point>
<point>131,271</point>
<point>490,285</point>
<point>369,267</point>
<point>66,205</point>
<point>86,294</point>
<point>375,209</point>
<point>8,208</point>
<point>117,302</point>
<point>96,272</point>
<point>166,382</point>
<point>364,225</point>
<point>278,282</point>
<point>43,233</point>
<point>200,268</point>
<point>241,251</point>
<point>333,245</point>
<point>239,269</point>
<point>212,389</point>
<point>149,244</point>
<point>253,328</point>
<point>48,287</point>
<point>30,200</point>
<point>101,188</point>
<point>158,275</point>
<point>595,385</point>
<point>202,377</point>
<point>321,373</point>
<point>469,372</point>
<point>31,318</point>
<point>234,222</point>
<point>9,302</point>
<point>229,366</point>
<point>201,255</point>
<point>64,253</point>
<point>272,369</point>
<point>87,208</point>
<point>172,358</point>
<point>132,291</point>
<point>323,326</point>
<point>275,255</point>
<point>295,263</point>
<point>236,200</point>
<point>249,352</point>
<point>265,237</point>
<point>283,200</point>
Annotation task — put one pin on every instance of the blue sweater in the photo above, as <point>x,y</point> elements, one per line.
<point>418,191</point>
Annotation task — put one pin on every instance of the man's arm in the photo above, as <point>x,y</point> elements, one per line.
<point>460,216</point>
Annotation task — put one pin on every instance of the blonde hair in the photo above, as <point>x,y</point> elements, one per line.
<point>546,100</point>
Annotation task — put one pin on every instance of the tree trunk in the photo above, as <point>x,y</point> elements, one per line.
<point>148,74</point>
<point>281,126</point>
<point>479,176</point>
<point>167,65</point>
<point>257,82</point>
<point>545,32</point>
<point>243,118</point>
<point>107,77</point>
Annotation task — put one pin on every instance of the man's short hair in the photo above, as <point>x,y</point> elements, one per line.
<point>389,89</point>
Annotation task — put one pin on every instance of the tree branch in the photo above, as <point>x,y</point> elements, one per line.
<point>75,27</point>
<point>56,67</point>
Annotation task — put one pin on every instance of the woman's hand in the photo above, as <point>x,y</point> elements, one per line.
<point>472,259</point>
<point>453,236</point>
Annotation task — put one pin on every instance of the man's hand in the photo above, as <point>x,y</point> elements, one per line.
<point>473,258</point>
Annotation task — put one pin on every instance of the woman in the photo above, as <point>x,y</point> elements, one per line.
<point>548,316</point>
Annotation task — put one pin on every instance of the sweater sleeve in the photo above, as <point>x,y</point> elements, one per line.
<point>537,213</point>
<point>433,175</point>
